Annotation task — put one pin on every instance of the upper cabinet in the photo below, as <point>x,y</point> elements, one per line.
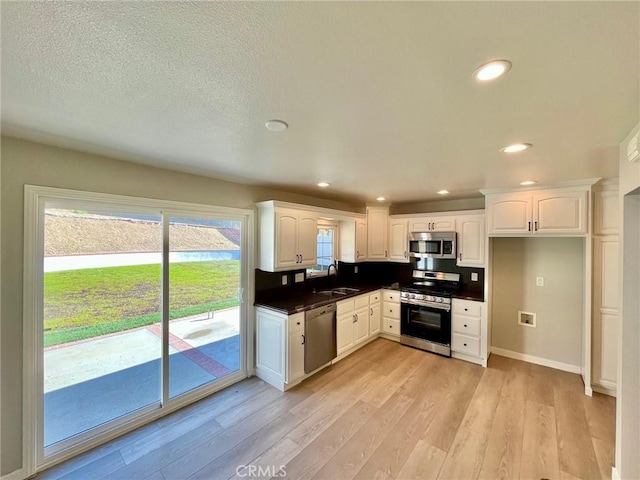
<point>471,241</point>
<point>606,211</point>
<point>432,224</point>
<point>353,240</point>
<point>377,235</point>
<point>398,240</point>
<point>288,238</point>
<point>553,211</point>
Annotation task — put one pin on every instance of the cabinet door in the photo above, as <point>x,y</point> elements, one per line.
<point>398,240</point>
<point>377,221</point>
<point>560,212</point>
<point>361,240</point>
<point>307,240</point>
<point>344,333</point>
<point>375,317</point>
<point>471,241</point>
<point>606,212</point>
<point>361,326</point>
<point>443,224</point>
<point>296,355</point>
<point>286,239</point>
<point>509,214</point>
<point>419,225</point>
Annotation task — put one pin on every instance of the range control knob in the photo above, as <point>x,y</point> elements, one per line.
<point>439,300</point>
<point>413,295</point>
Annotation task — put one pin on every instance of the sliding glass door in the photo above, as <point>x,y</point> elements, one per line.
<point>133,308</point>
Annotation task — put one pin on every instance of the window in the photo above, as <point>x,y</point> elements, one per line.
<point>327,251</point>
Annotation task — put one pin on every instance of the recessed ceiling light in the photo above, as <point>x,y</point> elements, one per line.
<point>276,125</point>
<point>443,192</point>
<point>516,147</point>
<point>381,199</point>
<point>323,184</point>
<point>492,70</point>
<point>528,182</point>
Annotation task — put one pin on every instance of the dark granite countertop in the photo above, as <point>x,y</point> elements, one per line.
<point>302,301</point>
<point>465,294</point>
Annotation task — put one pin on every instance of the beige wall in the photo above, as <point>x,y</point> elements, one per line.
<point>558,304</point>
<point>628,411</point>
<point>30,163</point>
<point>438,206</point>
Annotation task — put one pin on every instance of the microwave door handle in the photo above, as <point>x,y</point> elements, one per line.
<point>442,248</point>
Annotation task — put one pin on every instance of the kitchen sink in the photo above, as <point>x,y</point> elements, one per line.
<point>345,290</point>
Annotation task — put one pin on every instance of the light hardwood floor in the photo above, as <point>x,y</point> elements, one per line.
<point>386,411</point>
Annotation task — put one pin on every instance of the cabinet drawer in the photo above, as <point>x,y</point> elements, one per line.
<point>391,325</point>
<point>345,306</point>
<point>391,296</point>
<point>391,310</point>
<point>374,297</point>
<point>466,325</point>
<point>465,344</point>
<point>296,322</point>
<point>467,307</point>
<point>361,301</point>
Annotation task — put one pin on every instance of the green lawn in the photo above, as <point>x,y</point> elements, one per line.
<point>85,303</point>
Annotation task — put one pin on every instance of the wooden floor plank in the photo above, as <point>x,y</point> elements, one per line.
<point>464,459</point>
<point>600,411</point>
<point>605,455</point>
<point>424,462</point>
<point>539,443</point>
<point>482,408</point>
<point>575,448</point>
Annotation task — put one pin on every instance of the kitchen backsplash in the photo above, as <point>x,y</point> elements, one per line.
<point>269,285</point>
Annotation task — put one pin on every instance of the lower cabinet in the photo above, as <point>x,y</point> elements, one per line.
<point>375,313</point>
<point>353,322</point>
<point>391,314</point>
<point>279,348</point>
<point>469,331</point>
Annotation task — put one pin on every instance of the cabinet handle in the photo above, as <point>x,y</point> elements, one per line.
<point>298,323</point>
<point>466,310</point>
<point>536,225</point>
<point>405,254</point>
<point>465,325</point>
<point>354,318</point>
<point>303,340</point>
<point>460,255</point>
<point>529,226</point>
<point>385,254</point>
<point>465,344</point>
<point>371,312</point>
<point>357,254</point>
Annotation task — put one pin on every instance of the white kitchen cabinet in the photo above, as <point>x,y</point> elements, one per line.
<point>606,291</point>
<point>295,354</point>
<point>471,241</point>
<point>469,335</point>
<point>375,313</point>
<point>288,238</point>
<point>377,234</point>
<point>353,240</point>
<point>398,240</point>
<point>353,322</point>
<point>552,212</point>
<point>435,223</point>
<point>391,314</point>
<point>276,362</point>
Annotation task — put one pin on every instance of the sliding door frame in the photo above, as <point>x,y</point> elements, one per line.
<point>35,198</point>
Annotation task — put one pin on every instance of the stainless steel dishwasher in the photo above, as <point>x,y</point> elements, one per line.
<point>320,337</point>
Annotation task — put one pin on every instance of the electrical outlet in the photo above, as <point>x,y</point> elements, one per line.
<point>474,277</point>
<point>285,279</point>
<point>299,277</point>
<point>539,281</point>
<point>355,269</point>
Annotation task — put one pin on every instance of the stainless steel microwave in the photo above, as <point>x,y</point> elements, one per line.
<point>432,244</point>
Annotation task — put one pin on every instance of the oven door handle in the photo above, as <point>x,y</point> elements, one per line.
<point>435,306</point>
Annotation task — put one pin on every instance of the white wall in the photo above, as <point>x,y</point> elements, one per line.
<point>31,163</point>
<point>438,206</point>
<point>558,305</point>
<point>628,396</point>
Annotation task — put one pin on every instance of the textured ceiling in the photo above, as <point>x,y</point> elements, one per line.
<point>378,96</point>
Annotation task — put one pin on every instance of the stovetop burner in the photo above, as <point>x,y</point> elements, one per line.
<point>433,283</point>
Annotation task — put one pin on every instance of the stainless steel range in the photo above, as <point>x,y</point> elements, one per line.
<point>425,311</point>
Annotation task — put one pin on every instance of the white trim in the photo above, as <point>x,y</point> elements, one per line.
<point>449,213</point>
<point>567,367</point>
<point>15,475</point>
<point>604,390</point>
<point>322,212</point>
<point>35,199</point>
<point>587,182</point>
<point>615,475</point>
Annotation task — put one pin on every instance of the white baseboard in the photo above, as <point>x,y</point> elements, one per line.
<point>17,475</point>
<point>615,475</point>
<point>537,360</point>
<point>605,390</point>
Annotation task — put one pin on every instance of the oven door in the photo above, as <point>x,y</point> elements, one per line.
<point>427,323</point>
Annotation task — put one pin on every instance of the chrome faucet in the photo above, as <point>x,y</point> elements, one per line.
<point>334,267</point>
